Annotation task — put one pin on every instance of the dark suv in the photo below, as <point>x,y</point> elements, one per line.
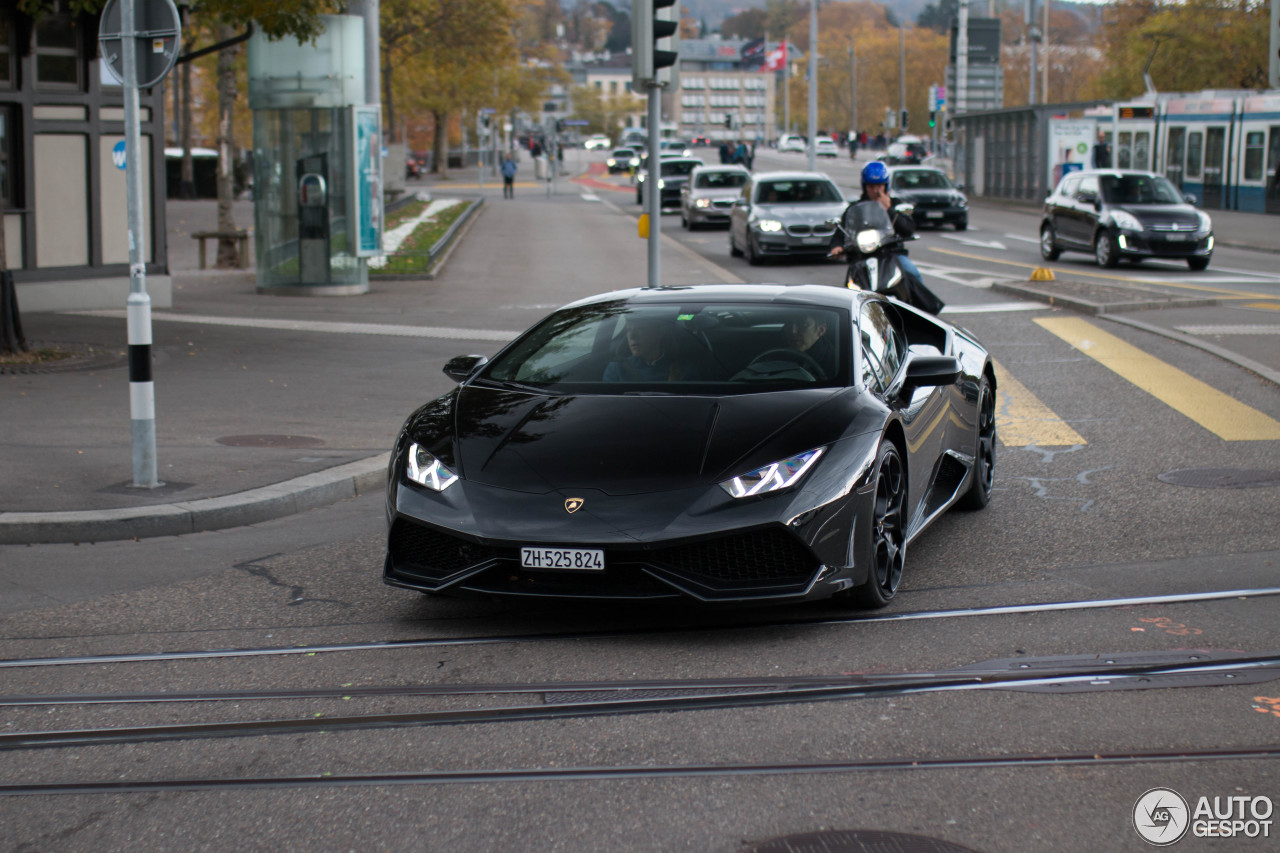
<point>1119,213</point>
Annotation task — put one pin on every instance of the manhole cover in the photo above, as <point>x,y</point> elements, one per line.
<point>855,841</point>
<point>1221,478</point>
<point>270,441</point>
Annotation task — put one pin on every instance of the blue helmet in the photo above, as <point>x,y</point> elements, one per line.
<point>875,172</point>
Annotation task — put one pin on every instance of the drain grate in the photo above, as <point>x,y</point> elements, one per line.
<point>856,841</point>
<point>270,441</point>
<point>1221,478</point>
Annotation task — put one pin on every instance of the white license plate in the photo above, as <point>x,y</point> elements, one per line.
<point>1176,238</point>
<point>566,559</point>
<point>813,241</point>
<point>934,214</point>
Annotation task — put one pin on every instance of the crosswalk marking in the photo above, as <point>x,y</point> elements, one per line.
<point>1022,420</point>
<point>1222,415</point>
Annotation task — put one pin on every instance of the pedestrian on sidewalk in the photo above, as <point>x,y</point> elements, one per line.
<point>508,168</point>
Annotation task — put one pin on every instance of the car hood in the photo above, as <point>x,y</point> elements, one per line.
<point>627,444</point>
<point>797,213</point>
<point>1163,214</point>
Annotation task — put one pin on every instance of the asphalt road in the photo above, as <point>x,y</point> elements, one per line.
<point>1157,574</point>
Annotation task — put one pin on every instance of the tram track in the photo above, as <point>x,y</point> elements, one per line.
<point>623,698</point>
<point>497,639</point>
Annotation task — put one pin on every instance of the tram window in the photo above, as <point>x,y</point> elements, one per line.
<point>1273,153</point>
<point>1253,156</point>
<point>1177,151</point>
<point>1123,150</point>
<point>1195,150</point>
<point>1142,150</point>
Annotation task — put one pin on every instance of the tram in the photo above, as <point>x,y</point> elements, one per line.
<point>1221,147</point>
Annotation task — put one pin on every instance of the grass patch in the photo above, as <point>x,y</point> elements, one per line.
<point>39,355</point>
<point>414,254</point>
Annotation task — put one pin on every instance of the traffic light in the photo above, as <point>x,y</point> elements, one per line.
<point>652,20</point>
<point>933,119</point>
<point>728,120</point>
<point>904,120</point>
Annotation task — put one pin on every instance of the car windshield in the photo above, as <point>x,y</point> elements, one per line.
<point>678,348</point>
<point>920,179</point>
<point>1138,189</point>
<point>623,152</point>
<point>679,167</point>
<point>720,180</point>
<point>797,192</point>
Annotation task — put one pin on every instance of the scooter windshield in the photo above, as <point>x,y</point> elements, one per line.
<point>866,215</point>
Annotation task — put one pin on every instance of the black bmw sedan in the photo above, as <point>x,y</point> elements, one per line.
<point>715,443</point>
<point>1119,214</point>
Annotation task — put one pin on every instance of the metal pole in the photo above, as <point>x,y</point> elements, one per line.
<point>652,198</point>
<point>902,77</point>
<point>853,89</point>
<point>1032,38</point>
<point>142,392</point>
<point>813,85</point>
<point>962,58</point>
<point>786,86</point>
<point>1044,59</point>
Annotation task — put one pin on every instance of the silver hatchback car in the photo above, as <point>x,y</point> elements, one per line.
<point>708,196</point>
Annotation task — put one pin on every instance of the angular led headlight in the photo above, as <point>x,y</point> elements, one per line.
<point>426,470</point>
<point>773,477</point>
<point>868,241</point>
<point>769,225</point>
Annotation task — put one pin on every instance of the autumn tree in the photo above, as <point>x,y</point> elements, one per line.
<point>604,114</point>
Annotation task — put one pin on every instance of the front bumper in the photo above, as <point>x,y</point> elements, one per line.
<point>716,213</point>
<point>469,544</point>
<point>1157,244</point>
<point>780,244</point>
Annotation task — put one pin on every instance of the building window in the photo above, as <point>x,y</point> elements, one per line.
<point>599,86</point>
<point>6,160</point>
<point>57,49</point>
<point>613,87</point>
<point>6,49</point>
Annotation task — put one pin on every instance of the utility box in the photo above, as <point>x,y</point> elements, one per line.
<point>317,162</point>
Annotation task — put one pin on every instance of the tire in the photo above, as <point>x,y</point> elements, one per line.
<point>753,256</point>
<point>733,246</point>
<point>962,225</point>
<point>1105,250</point>
<point>684,223</point>
<point>1049,244</point>
<point>1198,264</point>
<point>984,462</point>
<point>887,531</point>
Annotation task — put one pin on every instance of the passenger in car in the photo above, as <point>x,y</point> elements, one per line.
<point>807,333</point>
<point>655,355</point>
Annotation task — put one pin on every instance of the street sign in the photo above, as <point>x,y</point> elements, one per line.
<point>576,122</point>
<point>156,32</point>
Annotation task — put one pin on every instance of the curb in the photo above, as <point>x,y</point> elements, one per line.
<point>1156,299</point>
<point>263,504</point>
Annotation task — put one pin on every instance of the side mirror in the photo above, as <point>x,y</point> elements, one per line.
<point>905,208</point>
<point>1191,198</point>
<point>460,368</point>
<point>833,221</point>
<point>931,370</point>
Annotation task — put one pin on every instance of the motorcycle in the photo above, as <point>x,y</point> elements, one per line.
<point>873,250</point>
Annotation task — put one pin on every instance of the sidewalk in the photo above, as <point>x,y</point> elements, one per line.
<point>269,405</point>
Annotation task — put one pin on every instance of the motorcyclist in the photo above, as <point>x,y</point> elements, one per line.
<point>875,187</point>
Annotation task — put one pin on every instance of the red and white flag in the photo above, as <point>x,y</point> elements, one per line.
<point>776,59</point>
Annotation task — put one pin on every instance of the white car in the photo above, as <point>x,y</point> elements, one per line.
<point>597,141</point>
<point>791,142</point>
<point>825,146</point>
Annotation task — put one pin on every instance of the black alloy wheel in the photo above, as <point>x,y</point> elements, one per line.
<point>984,462</point>
<point>1049,243</point>
<point>888,530</point>
<point>1105,250</point>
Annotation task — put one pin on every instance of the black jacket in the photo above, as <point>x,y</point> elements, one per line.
<point>903,226</point>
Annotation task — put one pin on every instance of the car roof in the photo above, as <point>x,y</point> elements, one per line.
<point>791,176</point>
<point>760,294</point>
<point>724,167</point>
<point>906,167</point>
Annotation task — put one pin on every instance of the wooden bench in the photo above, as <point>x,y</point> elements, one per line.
<point>241,237</point>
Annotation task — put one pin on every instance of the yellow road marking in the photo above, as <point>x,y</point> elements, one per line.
<point>1222,415</point>
<point>1074,271</point>
<point>1022,420</point>
<point>1265,306</point>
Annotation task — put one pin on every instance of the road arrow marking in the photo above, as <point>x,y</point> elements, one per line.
<point>969,241</point>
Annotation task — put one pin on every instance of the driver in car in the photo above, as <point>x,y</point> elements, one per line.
<point>807,333</point>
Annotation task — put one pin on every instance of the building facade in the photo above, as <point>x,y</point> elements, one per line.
<point>62,176</point>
